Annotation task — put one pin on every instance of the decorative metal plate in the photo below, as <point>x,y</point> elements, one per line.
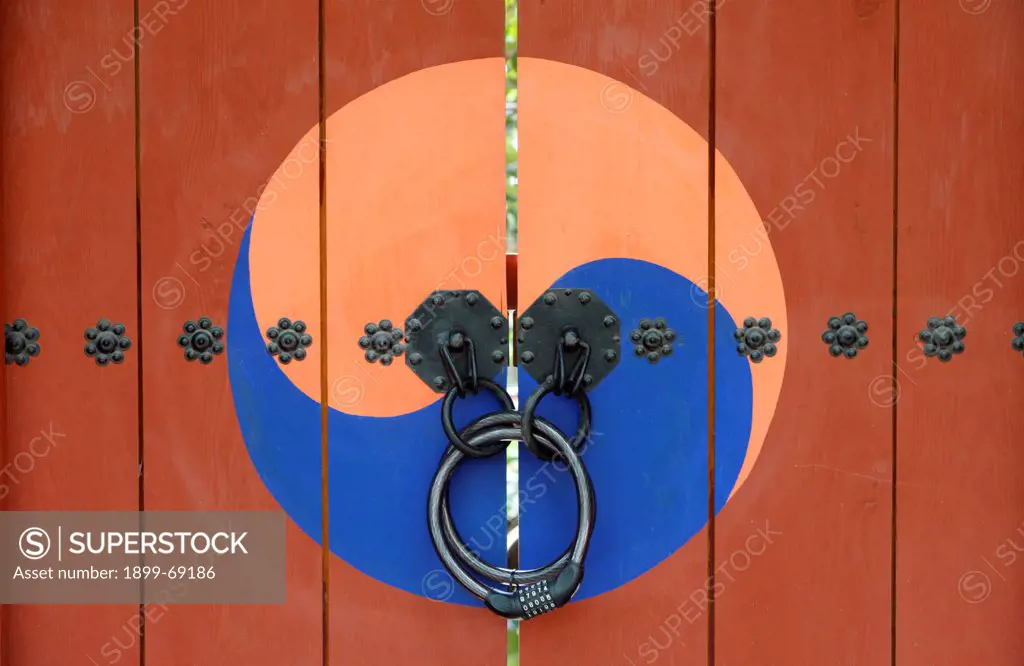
<point>443,313</point>
<point>21,342</point>
<point>758,339</point>
<point>943,338</point>
<point>382,342</point>
<point>845,336</point>
<point>546,321</point>
<point>201,340</point>
<point>288,340</point>
<point>652,340</point>
<point>107,342</point>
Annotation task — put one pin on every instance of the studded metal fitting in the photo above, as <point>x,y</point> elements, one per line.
<point>757,339</point>
<point>201,340</point>
<point>21,342</point>
<point>288,340</point>
<point>943,338</point>
<point>845,335</point>
<point>445,319</point>
<point>652,339</point>
<point>1018,337</point>
<point>107,342</point>
<point>563,317</point>
<point>382,342</point>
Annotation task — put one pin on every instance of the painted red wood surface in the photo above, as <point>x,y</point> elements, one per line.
<point>613,38</point>
<point>226,91</point>
<point>68,211</point>
<point>442,203</point>
<point>960,500</point>
<point>802,92</point>
<point>804,106</point>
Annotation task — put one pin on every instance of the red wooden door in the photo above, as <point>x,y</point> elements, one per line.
<point>166,162</point>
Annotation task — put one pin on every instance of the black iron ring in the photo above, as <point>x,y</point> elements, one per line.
<point>543,450</point>
<point>531,592</point>
<point>448,423</point>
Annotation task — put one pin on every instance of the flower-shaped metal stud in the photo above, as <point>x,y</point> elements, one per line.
<point>845,335</point>
<point>1018,337</point>
<point>757,339</point>
<point>288,340</point>
<point>382,342</point>
<point>201,340</point>
<point>106,342</point>
<point>21,342</point>
<point>652,339</point>
<point>943,338</point>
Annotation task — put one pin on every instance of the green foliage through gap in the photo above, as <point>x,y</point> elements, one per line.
<point>512,123</point>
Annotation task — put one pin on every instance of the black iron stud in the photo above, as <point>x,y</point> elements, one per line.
<point>21,342</point>
<point>943,338</point>
<point>382,342</point>
<point>757,339</point>
<point>106,342</point>
<point>288,340</point>
<point>1018,337</point>
<point>201,340</point>
<point>652,340</point>
<point>846,335</point>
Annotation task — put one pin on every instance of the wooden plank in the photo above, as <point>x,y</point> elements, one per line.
<point>613,184</point>
<point>961,245</point>
<point>3,427</point>
<point>228,92</point>
<point>68,211</point>
<point>804,103</point>
<point>415,202</point>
